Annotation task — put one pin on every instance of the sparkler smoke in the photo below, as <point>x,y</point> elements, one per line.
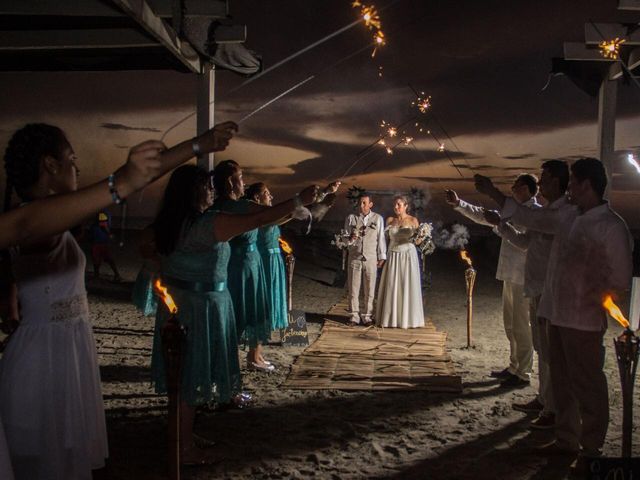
<point>632,160</point>
<point>456,239</point>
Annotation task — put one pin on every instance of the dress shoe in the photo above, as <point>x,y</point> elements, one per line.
<point>500,373</point>
<point>257,367</point>
<point>555,449</point>
<point>544,422</point>
<point>534,406</point>
<point>367,322</point>
<point>514,381</point>
<point>352,323</point>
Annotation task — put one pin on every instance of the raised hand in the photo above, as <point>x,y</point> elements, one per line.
<point>309,194</point>
<point>452,198</point>
<point>492,216</point>
<point>143,164</point>
<point>483,184</point>
<point>217,139</point>
<point>332,187</point>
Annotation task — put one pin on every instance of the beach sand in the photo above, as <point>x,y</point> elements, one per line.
<point>335,434</point>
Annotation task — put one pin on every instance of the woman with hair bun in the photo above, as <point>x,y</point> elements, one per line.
<point>400,295</point>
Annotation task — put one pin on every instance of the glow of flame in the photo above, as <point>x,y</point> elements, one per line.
<point>632,160</point>
<point>611,48</point>
<point>464,256</point>
<point>286,248</point>
<point>614,311</point>
<point>166,297</point>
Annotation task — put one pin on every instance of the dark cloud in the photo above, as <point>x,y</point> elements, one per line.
<point>119,126</point>
<point>520,156</point>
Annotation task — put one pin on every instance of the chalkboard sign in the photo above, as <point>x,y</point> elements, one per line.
<point>613,468</point>
<point>296,332</point>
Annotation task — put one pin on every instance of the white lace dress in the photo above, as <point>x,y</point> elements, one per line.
<point>50,395</point>
<point>400,294</point>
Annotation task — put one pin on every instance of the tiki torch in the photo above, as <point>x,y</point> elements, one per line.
<point>627,355</point>
<point>289,262</point>
<point>172,335</point>
<point>470,280</point>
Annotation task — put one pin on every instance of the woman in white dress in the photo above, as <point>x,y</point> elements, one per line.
<point>400,295</point>
<point>50,395</point>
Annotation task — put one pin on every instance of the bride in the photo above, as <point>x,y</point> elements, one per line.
<point>400,296</point>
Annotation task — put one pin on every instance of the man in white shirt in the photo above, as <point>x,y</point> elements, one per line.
<point>553,185</point>
<point>367,253</point>
<point>515,307</point>
<point>590,258</point>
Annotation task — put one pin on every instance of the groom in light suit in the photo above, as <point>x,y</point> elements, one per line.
<point>365,256</point>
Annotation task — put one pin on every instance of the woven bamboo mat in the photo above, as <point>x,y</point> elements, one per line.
<point>356,358</point>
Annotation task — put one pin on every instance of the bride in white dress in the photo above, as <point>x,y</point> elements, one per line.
<point>400,294</point>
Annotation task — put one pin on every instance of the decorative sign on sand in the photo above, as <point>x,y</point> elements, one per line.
<point>296,332</point>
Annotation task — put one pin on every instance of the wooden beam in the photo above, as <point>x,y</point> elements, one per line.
<point>142,13</point>
<point>74,39</point>
<point>629,5</point>
<point>579,51</point>
<point>596,33</point>
<point>634,62</point>
<point>97,8</point>
<point>607,100</point>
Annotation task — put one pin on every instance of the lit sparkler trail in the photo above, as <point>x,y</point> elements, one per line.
<point>611,48</point>
<point>632,160</point>
<point>265,105</point>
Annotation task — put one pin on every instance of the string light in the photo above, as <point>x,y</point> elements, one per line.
<point>611,48</point>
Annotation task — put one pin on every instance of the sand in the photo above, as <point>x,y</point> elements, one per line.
<point>334,434</point>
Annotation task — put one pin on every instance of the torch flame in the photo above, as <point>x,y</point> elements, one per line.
<point>614,311</point>
<point>286,248</point>
<point>166,297</point>
<point>464,256</point>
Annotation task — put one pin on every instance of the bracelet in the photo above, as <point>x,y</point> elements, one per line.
<point>297,202</point>
<point>195,147</point>
<point>112,189</point>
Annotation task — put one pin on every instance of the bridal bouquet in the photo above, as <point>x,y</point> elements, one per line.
<point>423,239</point>
<point>346,239</point>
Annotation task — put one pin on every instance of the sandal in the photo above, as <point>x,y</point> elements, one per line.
<point>194,456</point>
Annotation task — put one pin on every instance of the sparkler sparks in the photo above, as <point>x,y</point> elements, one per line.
<point>611,48</point>
<point>422,103</point>
<point>632,160</point>
<point>407,140</point>
<point>440,147</point>
<point>372,21</point>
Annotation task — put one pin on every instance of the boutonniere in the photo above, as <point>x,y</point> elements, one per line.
<point>373,225</point>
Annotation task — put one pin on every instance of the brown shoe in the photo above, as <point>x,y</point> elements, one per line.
<point>534,406</point>
<point>543,422</point>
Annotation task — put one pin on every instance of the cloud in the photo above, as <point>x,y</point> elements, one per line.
<point>520,156</point>
<point>119,126</point>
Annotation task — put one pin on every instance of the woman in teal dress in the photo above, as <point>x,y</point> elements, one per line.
<point>194,249</point>
<point>143,296</point>
<point>269,249</point>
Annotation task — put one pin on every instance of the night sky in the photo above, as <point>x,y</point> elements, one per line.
<point>484,64</point>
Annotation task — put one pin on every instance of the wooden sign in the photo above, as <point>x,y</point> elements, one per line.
<point>296,332</point>
<point>614,468</point>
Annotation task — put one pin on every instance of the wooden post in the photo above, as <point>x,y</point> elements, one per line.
<point>172,345</point>
<point>607,98</point>
<point>205,118</point>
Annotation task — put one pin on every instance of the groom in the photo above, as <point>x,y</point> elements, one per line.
<point>365,256</point>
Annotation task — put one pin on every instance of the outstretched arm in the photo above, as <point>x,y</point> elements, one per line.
<point>485,186</point>
<point>147,162</point>
<point>226,225</point>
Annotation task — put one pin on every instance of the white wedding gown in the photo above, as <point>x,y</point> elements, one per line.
<point>50,395</point>
<point>400,295</point>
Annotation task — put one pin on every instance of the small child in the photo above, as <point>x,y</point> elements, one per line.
<point>100,233</point>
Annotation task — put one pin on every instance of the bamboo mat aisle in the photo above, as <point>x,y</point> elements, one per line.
<point>357,358</point>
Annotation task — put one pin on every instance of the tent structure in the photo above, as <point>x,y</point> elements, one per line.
<point>192,36</point>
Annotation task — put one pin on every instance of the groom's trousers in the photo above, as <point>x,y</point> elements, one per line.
<point>363,273</point>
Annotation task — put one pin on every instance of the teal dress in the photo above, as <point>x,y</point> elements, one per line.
<point>247,282</point>
<point>143,296</point>
<point>274,270</point>
<point>196,277</point>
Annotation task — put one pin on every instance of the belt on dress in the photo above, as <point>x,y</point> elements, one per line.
<point>198,287</point>
<point>273,250</point>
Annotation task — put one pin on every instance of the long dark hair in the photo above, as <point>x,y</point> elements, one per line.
<point>254,189</point>
<point>27,147</point>
<point>221,174</point>
<point>179,206</point>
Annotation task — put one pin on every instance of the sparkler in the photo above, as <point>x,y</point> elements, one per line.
<point>372,21</point>
<point>611,48</point>
<point>422,103</point>
<point>632,160</point>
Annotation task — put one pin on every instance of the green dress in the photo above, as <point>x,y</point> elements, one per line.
<point>274,270</point>
<point>196,277</point>
<point>247,282</point>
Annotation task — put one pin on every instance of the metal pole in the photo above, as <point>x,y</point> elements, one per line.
<point>607,99</point>
<point>205,108</point>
